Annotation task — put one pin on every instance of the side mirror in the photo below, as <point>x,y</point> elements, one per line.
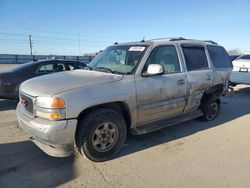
<point>153,70</point>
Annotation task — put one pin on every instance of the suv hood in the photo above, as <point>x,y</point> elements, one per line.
<point>49,85</point>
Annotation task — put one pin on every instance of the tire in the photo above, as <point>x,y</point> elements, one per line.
<point>210,108</point>
<point>101,134</point>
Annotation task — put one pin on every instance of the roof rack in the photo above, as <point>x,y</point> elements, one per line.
<point>176,39</point>
<point>169,39</point>
<point>210,41</point>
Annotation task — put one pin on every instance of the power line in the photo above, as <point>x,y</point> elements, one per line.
<point>21,38</point>
<point>67,34</point>
<point>13,34</point>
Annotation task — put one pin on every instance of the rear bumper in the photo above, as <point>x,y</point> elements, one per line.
<point>56,138</point>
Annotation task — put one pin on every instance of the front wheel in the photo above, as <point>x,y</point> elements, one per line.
<point>101,134</point>
<point>210,109</point>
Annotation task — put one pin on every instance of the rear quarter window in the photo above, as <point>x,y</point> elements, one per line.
<point>219,57</point>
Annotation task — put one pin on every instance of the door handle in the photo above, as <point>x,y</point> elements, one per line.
<point>180,82</point>
<point>208,77</point>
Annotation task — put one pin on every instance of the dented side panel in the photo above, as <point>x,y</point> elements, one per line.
<point>198,82</point>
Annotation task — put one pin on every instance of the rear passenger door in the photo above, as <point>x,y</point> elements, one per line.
<point>199,73</point>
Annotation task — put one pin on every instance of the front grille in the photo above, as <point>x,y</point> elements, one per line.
<point>27,103</point>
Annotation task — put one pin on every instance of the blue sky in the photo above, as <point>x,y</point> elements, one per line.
<point>57,25</point>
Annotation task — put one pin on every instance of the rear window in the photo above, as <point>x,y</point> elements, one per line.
<point>195,57</point>
<point>219,57</point>
<point>244,57</point>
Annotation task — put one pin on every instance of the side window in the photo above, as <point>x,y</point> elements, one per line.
<point>195,57</point>
<point>51,67</point>
<point>219,57</point>
<point>166,56</point>
<point>59,67</point>
<point>46,68</point>
<point>73,66</point>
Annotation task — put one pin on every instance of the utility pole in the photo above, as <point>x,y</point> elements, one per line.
<point>79,44</point>
<point>30,45</point>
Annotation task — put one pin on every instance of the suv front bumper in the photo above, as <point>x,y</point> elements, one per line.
<point>56,138</point>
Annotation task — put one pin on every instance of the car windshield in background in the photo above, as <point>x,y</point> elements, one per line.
<point>118,59</point>
<point>247,57</point>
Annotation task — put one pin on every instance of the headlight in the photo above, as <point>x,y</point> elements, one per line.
<point>50,102</point>
<point>52,108</point>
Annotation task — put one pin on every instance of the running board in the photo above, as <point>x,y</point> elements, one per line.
<point>160,124</point>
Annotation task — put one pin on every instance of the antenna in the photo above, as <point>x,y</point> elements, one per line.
<point>143,40</point>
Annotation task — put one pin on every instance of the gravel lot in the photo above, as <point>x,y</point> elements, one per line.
<point>192,154</point>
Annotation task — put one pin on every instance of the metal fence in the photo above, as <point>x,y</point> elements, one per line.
<point>20,59</point>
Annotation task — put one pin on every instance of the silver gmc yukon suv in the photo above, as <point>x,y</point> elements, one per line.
<point>138,87</point>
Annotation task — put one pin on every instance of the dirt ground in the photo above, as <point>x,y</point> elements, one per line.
<point>4,67</point>
<point>191,154</point>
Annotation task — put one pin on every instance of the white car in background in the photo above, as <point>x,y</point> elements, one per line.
<point>241,70</point>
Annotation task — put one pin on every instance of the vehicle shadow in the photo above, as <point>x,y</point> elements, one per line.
<point>7,104</point>
<point>22,164</point>
<point>233,109</point>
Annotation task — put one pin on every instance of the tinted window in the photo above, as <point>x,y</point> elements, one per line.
<point>219,57</point>
<point>59,67</point>
<point>166,56</point>
<point>233,57</point>
<point>73,66</point>
<point>245,57</point>
<point>195,57</point>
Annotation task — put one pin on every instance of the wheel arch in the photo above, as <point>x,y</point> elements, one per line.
<point>118,106</point>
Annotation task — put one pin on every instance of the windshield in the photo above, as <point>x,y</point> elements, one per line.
<point>118,59</point>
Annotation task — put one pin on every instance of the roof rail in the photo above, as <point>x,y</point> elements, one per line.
<point>169,39</point>
<point>176,39</point>
<point>210,41</point>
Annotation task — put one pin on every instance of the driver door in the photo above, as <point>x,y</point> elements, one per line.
<point>163,95</point>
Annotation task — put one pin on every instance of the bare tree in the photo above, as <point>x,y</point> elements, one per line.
<point>234,52</point>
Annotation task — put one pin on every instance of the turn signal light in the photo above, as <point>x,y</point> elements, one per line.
<point>57,103</point>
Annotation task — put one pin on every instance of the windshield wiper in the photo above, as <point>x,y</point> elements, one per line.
<point>117,72</point>
<point>88,68</point>
<point>104,69</point>
<point>109,70</point>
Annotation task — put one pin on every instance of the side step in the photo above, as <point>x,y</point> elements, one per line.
<point>160,124</point>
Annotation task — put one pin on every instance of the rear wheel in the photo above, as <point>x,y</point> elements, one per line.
<point>101,134</point>
<point>210,109</point>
